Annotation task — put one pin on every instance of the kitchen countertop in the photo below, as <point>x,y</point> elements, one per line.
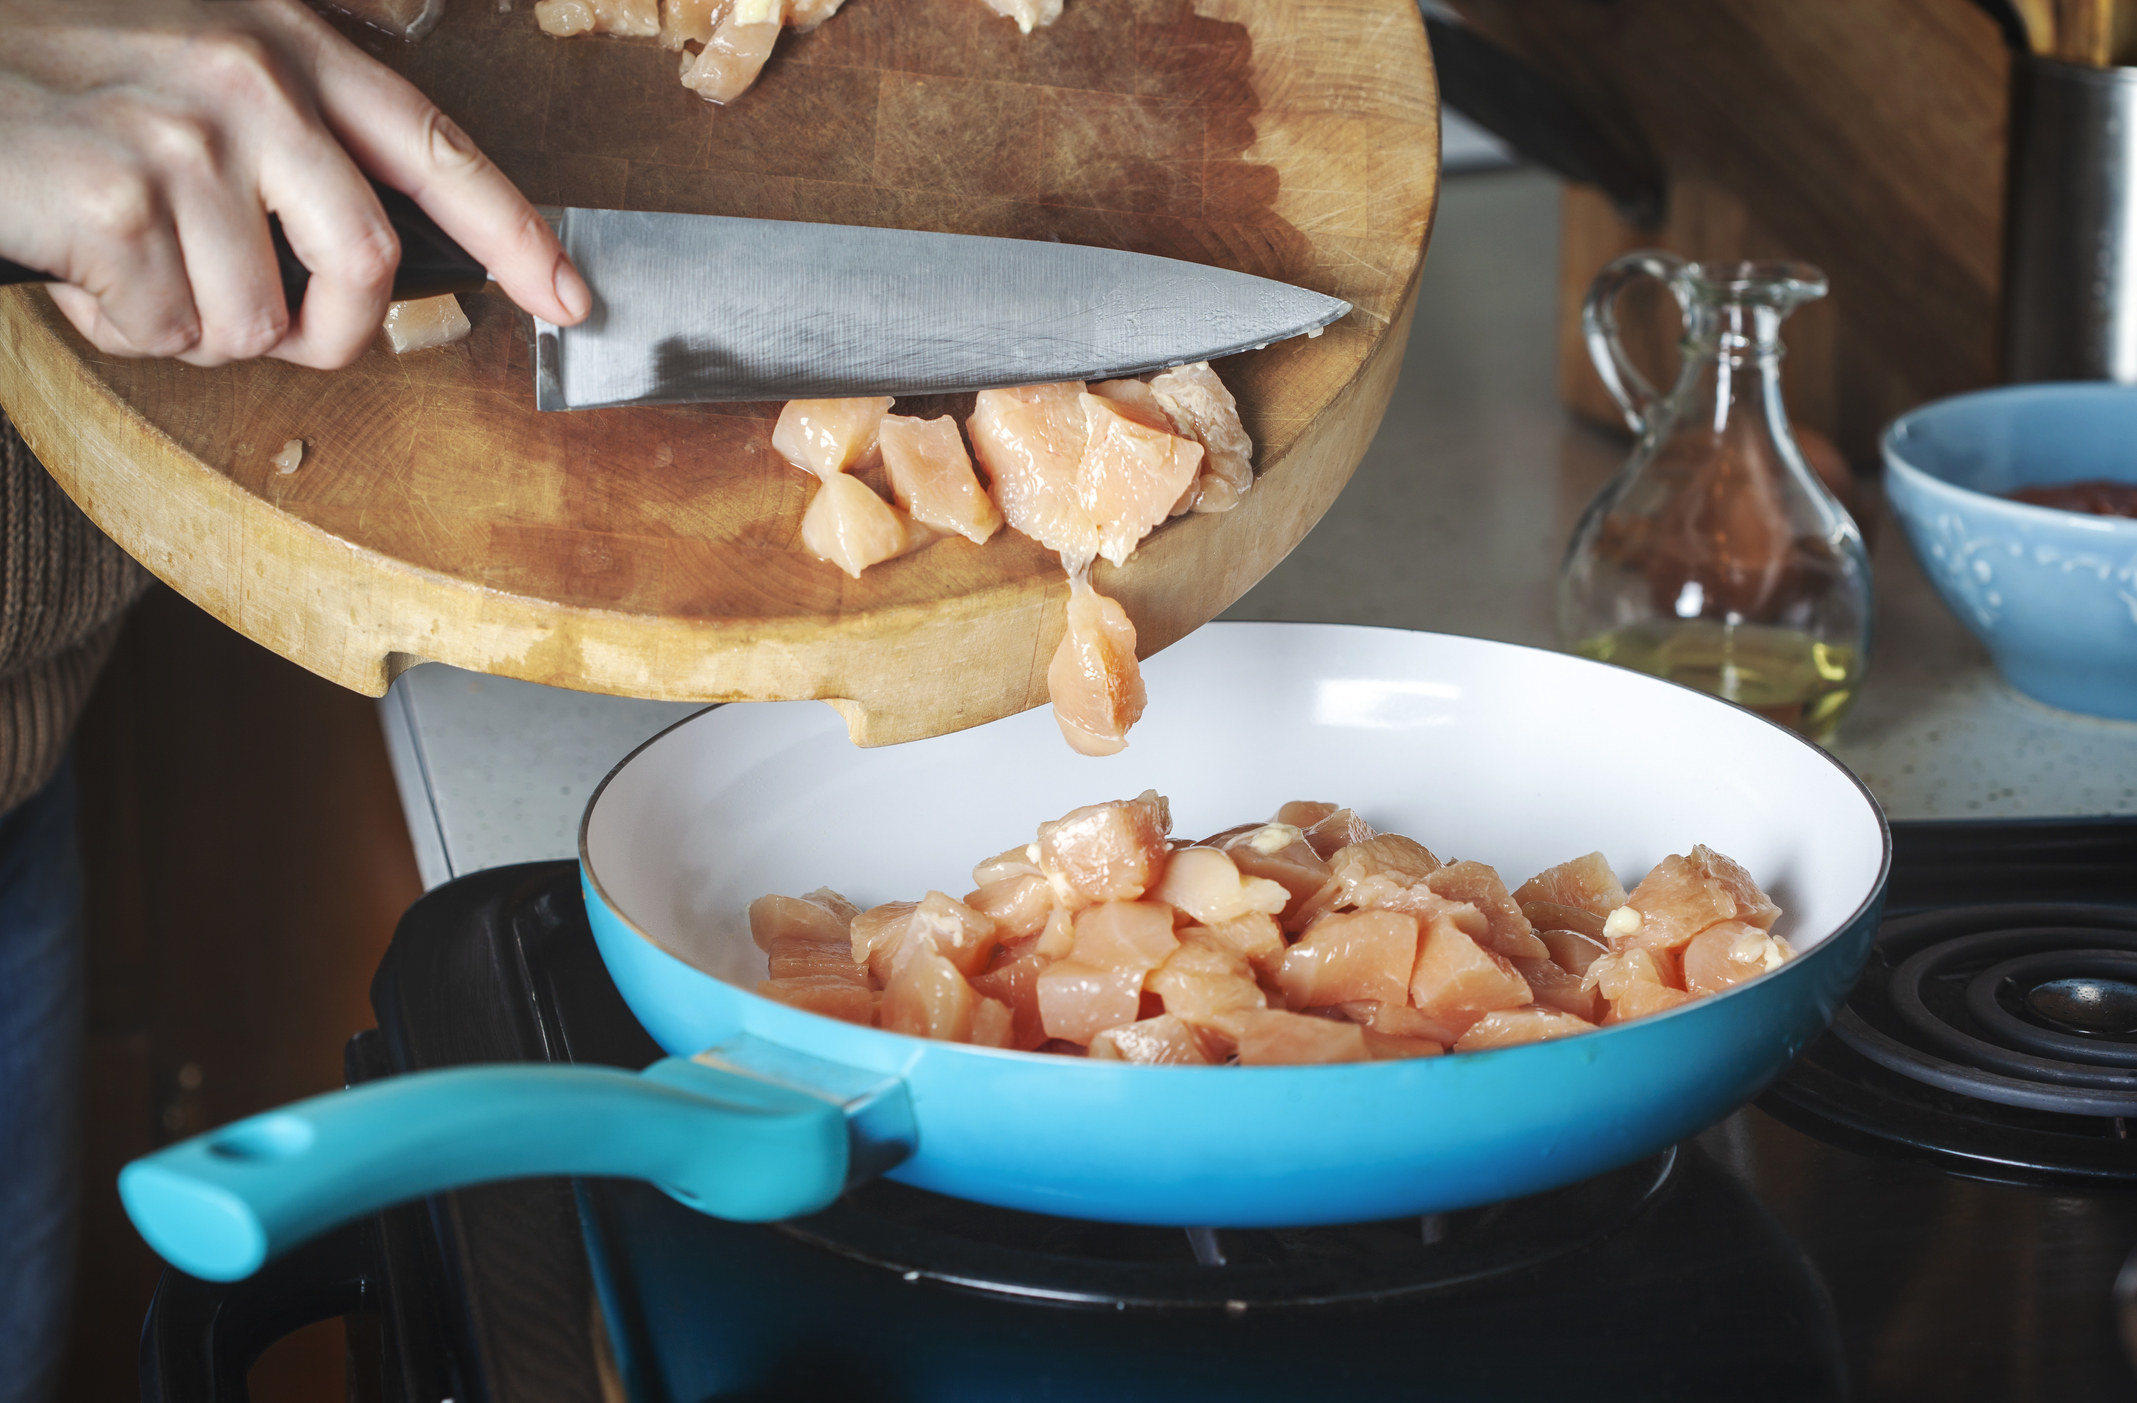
<point>1454,522</point>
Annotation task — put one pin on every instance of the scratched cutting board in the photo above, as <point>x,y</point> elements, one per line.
<point>656,552</point>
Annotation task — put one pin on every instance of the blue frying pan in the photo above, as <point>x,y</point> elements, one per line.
<point>1511,755</point>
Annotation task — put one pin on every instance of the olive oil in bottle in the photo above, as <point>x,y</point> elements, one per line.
<point>1783,674</point>
<point>1716,558</point>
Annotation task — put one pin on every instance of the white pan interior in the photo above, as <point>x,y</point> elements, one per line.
<point>1513,756</point>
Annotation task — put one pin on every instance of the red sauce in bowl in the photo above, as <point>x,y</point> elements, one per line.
<point>2095,497</point>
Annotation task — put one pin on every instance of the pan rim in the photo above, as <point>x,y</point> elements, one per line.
<point>1871,901</point>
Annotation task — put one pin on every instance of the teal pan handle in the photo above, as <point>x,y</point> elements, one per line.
<point>220,1204</point>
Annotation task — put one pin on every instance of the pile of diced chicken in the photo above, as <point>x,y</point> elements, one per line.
<point>1310,938</point>
<point>1086,471</point>
<point>725,43</point>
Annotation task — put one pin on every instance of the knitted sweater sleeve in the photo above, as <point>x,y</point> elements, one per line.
<point>64,589</point>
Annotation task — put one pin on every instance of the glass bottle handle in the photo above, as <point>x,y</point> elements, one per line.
<point>1599,325</point>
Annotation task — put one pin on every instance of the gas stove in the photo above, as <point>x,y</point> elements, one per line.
<point>1937,1201</point>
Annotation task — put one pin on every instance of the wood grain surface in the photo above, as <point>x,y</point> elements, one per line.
<point>655,552</point>
<point>1867,139</point>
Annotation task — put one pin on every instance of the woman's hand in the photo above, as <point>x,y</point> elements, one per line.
<point>143,143</point>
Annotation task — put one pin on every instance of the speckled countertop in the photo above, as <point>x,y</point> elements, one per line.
<point>1454,522</point>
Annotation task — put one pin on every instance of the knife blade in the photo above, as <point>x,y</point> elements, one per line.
<point>692,308</point>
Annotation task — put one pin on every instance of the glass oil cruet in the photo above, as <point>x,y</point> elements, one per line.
<point>1716,557</point>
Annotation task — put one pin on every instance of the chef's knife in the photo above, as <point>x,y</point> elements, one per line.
<point>692,307</point>
<point>702,307</point>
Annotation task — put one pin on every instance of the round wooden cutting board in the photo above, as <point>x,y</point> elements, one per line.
<point>656,552</point>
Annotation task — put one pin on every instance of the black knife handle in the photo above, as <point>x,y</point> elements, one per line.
<point>431,263</point>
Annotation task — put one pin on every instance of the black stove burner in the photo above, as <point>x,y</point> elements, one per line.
<point>1965,989</point>
<point>1074,1262</point>
<point>2002,1037</point>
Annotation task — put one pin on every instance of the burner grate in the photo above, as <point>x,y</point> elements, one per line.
<point>1956,1000</point>
<point>1074,1262</point>
<point>1997,1038</point>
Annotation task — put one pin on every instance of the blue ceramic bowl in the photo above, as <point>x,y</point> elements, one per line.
<point>2052,594</point>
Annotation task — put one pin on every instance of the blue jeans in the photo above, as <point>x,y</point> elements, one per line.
<point>41,1034</point>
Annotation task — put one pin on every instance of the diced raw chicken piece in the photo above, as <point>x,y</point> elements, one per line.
<point>1272,1038</point>
<point>1379,871</point>
<point>851,527</point>
<point>1029,14</point>
<point>1394,1047</point>
<point>805,15</point>
<point>1359,955</point>
<point>1682,896</point>
<point>1198,405</point>
<point>1725,955</point>
<point>1642,999</point>
<point>1301,814</point>
<point>1634,983</point>
<point>1124,935</point>
<point>1078,1001</point>
<point>1549,915</point>
<point>1399,1020</point>
<point>1018,861</point>
<point>689,21</point>
<point>1479,885</point>
<point>928,998</point>
<point>1094,681</point>
<point>1209,984</point>
<point>1278,852</point>
<point>798,957</point>
<point>403,19</point>
<point>877,935</point>
<point>1753,906</point>
<point>1134,468</point>
<point>1557,987</point>
<point>1571,949</point>
<point>630,18</point>
<point>931,476</point>
<point>1257,937</point>
<point>771,917</point>
<point>960,934</point>
<point>1513,1026</point>
<point>1585,883</point>
<point>1018,905</point>
<point>833,998</point>
<point>1163,1040</point>
<point>993,1025</point>
<point>730,61</point>
<point>1422,902</point>
<point>1135,392</point>
<point>1030,440</point>
<point>423,322</point>
<point>835,903</point>
<point>1106,852</point>
<point>1014,983</point>
<point>1207,885</point>
<point>1457,981</point>
<point>829,436</point>
<point>1058,937</point>
<point>1338,831</point>
<point>1079,473</point>
<point>1139,394</point>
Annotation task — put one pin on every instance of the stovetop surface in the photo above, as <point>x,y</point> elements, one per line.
<point>1849,1240</point>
